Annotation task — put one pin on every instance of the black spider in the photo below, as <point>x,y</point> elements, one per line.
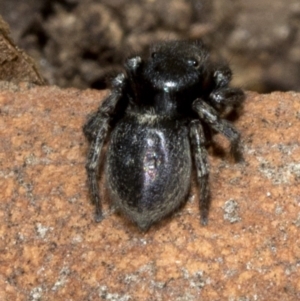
<point>162,110</point>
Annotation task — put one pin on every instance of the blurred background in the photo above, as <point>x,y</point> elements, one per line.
<point>81,43</point>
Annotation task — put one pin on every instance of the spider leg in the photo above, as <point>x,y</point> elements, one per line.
<point>96,130</point>
<point>132,67</point>
<point>92,166</point>
<point>210,116</point>
<point>198,143</point>
<point>226,97</point>
<point>223,96</point>
<point>222,75</point>
<point>106,109</point>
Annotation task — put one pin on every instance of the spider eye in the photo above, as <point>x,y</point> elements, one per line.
<point>154,54</point>
<point>193,63</point>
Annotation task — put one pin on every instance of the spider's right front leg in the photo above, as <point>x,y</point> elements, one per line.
<point>96,130</point>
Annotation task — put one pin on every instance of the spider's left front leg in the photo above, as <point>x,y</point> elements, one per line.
<point>227,97</point>
<point>210,116</point>
<point>224,97</point>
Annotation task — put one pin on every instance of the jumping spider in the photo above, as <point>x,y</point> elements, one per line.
<point>162,112</point>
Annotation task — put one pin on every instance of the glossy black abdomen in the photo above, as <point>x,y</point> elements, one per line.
<point>148,167</point>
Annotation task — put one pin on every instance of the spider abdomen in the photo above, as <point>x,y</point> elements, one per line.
<point>148,167</point>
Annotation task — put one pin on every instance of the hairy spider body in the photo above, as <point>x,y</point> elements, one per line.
<point>148,167</point>
<point>157,110</point>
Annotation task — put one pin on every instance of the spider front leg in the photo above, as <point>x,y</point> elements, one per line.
<point>223,96</point>
<point>200,157</point>
<point>226,97</point>
<point>96,130</point>
<point>210,116</point>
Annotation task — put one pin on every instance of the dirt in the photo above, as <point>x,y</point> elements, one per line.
<point>52,249</point>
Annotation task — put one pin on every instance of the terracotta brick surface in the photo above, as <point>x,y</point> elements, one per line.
<point>51,248</point>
